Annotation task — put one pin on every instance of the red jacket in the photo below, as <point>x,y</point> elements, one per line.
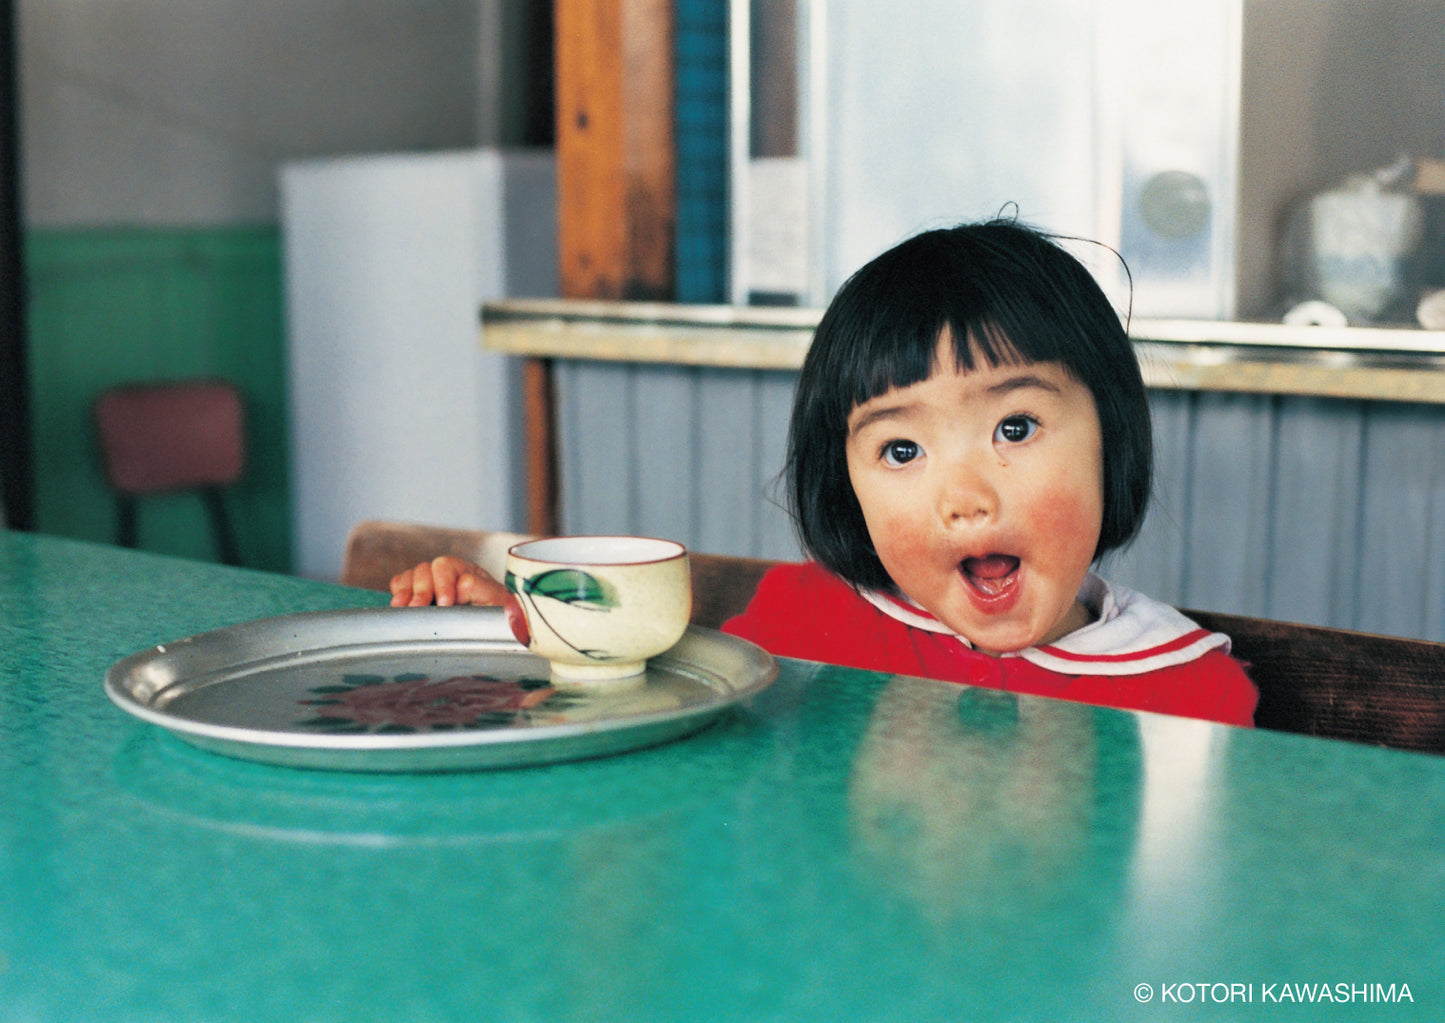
<point>1139,654</point>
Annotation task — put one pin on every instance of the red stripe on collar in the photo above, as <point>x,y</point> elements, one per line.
<point>1188,639</point>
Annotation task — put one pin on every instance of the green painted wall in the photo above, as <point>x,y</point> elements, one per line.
<point>109,306</point>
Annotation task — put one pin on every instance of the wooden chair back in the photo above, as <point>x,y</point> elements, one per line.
<point>376,550</point>
<point>1340,684</point>
<point>1332,683</point>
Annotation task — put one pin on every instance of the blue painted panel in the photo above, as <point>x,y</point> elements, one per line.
<point>701,48</point>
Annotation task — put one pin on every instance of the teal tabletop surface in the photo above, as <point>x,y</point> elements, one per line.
<point>844,846</point>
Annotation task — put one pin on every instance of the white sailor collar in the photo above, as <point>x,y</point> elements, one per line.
<point>1131,634</point>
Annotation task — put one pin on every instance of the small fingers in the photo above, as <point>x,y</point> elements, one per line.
<point>480,588</point>
<point>402,585</point>
<point>444,573</point>
<point>414,587</point>
<point>445,581</point>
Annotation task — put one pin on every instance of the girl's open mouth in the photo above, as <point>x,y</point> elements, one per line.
<point>992,576</point>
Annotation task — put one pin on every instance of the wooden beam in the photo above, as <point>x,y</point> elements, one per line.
<point>615,149</point>
<point>616,194</point>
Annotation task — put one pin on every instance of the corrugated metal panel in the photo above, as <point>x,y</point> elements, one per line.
<point>1310,510</point>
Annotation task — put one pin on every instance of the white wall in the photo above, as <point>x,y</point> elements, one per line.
<point>165,112</point>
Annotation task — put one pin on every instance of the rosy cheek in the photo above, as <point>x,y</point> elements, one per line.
<point>1069,517</point>
<point>900,542</point>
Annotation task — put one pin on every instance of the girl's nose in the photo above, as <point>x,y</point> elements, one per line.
<point>968,493</point>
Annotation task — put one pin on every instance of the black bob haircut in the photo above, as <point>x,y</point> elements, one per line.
<point>1003,289</point>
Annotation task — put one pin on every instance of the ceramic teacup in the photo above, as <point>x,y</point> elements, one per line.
<point>597,607</point>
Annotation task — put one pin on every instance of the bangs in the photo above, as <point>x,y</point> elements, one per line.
<point>1008,324</point>
<point>911,357</point>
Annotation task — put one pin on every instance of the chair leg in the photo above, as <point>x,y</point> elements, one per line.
<point>125,524</point>
<point>221,526</point>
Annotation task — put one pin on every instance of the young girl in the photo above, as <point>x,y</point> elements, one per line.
<point>970,435</point>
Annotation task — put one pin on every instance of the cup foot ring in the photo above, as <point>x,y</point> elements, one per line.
<point>613,676</point>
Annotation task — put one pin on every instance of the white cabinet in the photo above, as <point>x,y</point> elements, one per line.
<point>395,409</point>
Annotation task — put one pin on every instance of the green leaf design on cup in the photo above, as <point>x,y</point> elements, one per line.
<point>569,585</point>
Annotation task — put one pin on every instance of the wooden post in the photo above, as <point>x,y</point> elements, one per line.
<point>616,193</point>
<point>539,419</point>
<point>615,151</point>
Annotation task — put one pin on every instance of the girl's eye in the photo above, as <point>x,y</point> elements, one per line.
<point>1015,429</point>
<point>899,452</point>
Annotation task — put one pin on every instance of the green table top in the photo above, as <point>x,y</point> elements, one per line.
<point>845,846</point>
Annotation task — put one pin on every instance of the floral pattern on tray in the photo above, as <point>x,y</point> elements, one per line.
<point>414,702</point>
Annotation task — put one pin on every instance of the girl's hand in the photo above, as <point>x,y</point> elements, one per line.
<point>445,581</point>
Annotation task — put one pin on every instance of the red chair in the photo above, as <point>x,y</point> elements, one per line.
<point>168,437</point>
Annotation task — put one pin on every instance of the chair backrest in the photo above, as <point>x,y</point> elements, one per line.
<point>171,436</point>
<point>722,586</point>
<point>1333,683</point>
<point>376,550</point>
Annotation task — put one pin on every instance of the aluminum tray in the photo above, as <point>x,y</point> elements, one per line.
<point>417,689</point>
